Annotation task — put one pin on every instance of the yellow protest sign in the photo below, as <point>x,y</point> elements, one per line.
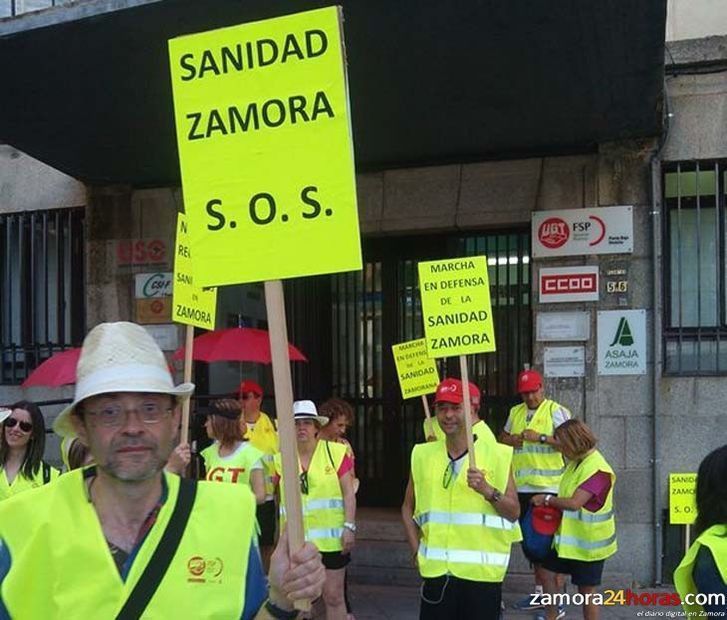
<point>265,149</point>
<point>192,304</point>
<point>456,306</point>
<point>682,499</point>
<point>417,371</point>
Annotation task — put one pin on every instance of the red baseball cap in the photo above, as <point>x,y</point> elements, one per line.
<point>529,381</point>
<point>248,386</point>
<point>546,519</point>
<point>450,391</point>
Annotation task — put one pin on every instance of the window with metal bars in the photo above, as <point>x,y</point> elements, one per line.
<point>695,330</point>
<point>42,296</point>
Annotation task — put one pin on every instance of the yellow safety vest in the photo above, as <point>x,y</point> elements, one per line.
<point>461,532</point>
<point>715,538</point>
<point>61,566</point>
<point>323,514</point>
<point>235,468</point>
<point>21,483</point>
<point>265,438</point>
<point>536,464</point>
<point>479,428</point>
<point>585,535</point>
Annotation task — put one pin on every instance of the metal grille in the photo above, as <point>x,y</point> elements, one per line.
<point>380,306</point>
<point>42,294</point>
<point>695,333</point>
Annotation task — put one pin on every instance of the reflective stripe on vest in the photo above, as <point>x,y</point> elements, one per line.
<point>539,472</point>
<point>317,504</point>
<point>318,533</point>
<point>584,544</point>
<point>464,556</point>
<point>534,449</point>
<point>464,518</point>
<point>587,517</point>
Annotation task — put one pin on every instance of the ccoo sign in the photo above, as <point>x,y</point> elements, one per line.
<point>562,284</point>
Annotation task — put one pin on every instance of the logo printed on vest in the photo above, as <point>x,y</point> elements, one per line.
<point>217,474</point>
<point>203,570</point>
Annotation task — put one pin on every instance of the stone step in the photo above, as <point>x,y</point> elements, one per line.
<point>382,553</point>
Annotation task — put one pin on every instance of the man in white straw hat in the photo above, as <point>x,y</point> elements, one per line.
<point>123,539</point>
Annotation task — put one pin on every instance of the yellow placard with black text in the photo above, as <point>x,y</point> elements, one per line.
<point>456,306</point>
<point>417,371</point>
<point>191,305</point>
<point>682,499</point>
<point>265,149</point>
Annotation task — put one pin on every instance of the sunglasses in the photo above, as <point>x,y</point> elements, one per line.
<point>304,482</point>
<point>26,427</point>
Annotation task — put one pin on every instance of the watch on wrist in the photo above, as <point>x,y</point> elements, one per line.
<point>351,527</point>
<point>496,496</point>
<point>543,438</point>
<point>547,499</point>
<point>278,612</point>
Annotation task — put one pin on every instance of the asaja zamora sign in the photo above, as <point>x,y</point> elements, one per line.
<point>417,371</point>
<point>191,304</point>
<point>265,149</point>
<point>682,498</point>
<point>573,232</point>
<point>456,306</point>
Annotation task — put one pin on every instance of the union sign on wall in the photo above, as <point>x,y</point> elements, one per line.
<point>562,284</point>
<point>621,342</point>
<point>574,232</point>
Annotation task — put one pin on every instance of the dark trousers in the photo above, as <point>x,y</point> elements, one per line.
<point>451,598</point>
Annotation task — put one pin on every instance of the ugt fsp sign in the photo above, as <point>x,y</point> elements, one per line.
<point>574,232</point>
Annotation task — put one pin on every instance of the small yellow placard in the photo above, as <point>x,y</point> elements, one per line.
<point>682,499</point>
<point>456,306</point>
<point>417,371</point>
<point>265,149</point>
<point>192,304</point>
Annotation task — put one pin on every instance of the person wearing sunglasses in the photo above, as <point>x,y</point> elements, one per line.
<point>231,458</point>
<point>126,539</point>
<point>259,430</point>
<point>460,521</point>
<point>329,501</point>
<point>22,443</point>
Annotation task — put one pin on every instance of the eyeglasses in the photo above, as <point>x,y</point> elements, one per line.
<point>115,415</point>
<point>249,396</point>
<point>448,474</point>
<point>26,427</point>
<point>304,482</point>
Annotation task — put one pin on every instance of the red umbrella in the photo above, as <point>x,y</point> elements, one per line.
<point>237,344</point>
<point>57,370</point>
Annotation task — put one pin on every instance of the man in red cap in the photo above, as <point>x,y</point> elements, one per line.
<point>537,464</point>
<point>453,390</point>
<point>460,522</point>
<point>259,429</point>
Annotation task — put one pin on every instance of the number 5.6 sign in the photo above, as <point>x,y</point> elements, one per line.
<point>265,148</point>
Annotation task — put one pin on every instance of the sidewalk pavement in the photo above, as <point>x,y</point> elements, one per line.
<point>370,602</point>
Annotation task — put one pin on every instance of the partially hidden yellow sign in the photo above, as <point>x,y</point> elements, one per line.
<point>192,305</point>
<point>456,306</point>
<point>265,149</point>
<point>417,371</point>
<point>682,499</point>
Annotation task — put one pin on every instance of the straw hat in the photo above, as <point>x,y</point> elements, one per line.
<point>306,410</point>
<point>119,357</point>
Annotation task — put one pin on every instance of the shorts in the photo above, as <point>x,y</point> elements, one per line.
<point>447,597</point>
<point>266,521</point>
<point>333,560</point>
<point>582,573</point>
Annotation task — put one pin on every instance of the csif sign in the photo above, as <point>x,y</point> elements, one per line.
<point>574,232</point>
<point>148,285</point>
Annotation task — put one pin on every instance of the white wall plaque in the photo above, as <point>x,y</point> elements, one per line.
<point>560,326</point>
<point>564,361</point>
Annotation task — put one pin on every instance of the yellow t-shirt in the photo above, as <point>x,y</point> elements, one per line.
<point>21,483</point>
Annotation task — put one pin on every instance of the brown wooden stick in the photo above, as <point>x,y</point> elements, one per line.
<point>278,330</point>
<point>467,409</point>
<point>188,350</point>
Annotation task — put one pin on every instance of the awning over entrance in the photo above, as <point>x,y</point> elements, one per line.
<point>85,87</point>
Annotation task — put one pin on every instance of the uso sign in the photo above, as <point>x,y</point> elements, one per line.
<point>561,284</point>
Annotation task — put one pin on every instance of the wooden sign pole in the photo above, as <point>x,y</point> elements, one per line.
<point>188,350</point>
<point>429,420</point>
<point>467,409</point>
<point>277,328</point>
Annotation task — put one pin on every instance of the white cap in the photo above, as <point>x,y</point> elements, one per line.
<point>306,410</point>
<point>119,357</point>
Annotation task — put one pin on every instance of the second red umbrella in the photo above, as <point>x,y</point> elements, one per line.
<point>236,344</point>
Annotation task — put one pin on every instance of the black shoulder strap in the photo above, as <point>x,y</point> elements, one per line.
<point>330,456</point>
<point>161,558</point>
<point>46,473</point>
